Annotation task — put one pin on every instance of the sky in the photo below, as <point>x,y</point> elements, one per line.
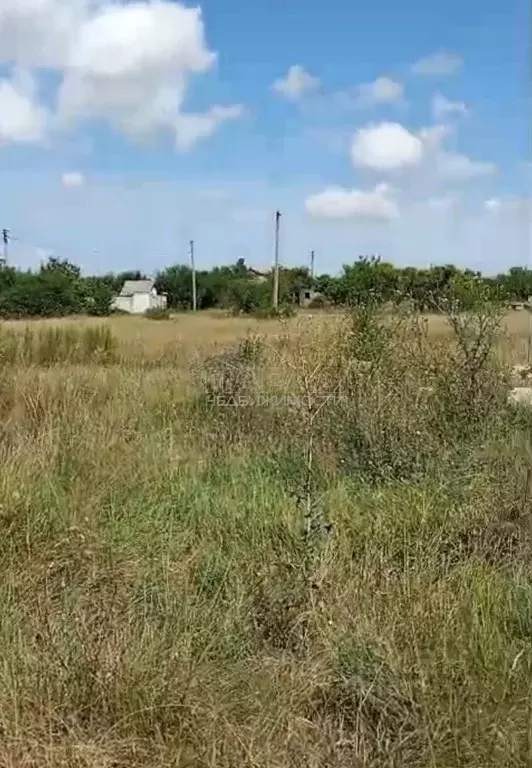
<point>129,128</point>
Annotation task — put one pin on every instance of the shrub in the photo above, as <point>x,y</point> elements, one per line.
<point>283,312</point>
<point>247,296</point>
<point>318,302</point>
<point>99,299</point>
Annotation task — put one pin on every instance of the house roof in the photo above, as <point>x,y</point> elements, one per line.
<point>261,272</point>
<point>136,286</point>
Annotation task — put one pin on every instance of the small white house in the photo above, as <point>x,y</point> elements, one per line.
<point>137,296</point>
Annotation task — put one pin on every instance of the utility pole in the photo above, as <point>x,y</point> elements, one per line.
<point>312,254</point>
<point>5,241</point>
<point>276,267</point>
<point>193,267</point>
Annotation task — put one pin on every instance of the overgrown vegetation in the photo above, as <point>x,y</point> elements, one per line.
<point>57,345</point>
<point>157,313</point>
<point>58,289</point>
<point>318,557</point>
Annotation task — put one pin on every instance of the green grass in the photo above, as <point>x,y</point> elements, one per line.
<point>165,601</point>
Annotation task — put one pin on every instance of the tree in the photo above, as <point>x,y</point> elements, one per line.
<point>176,282</point>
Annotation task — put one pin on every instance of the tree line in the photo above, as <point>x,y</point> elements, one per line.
<point>58,288</point>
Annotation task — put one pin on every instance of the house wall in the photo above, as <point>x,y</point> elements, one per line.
<point>139,303</point>
<point>160,302</point>
<point>122,303</point>
<point>307,296</point>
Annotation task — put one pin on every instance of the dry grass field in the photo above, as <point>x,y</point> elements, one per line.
<point>230,543</point>
<point>207,330</point>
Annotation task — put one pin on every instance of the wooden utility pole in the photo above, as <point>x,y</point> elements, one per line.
<point>193,267</point>
<point>312,254</point>
<point>276,267</point>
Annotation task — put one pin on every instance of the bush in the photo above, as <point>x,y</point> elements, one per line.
<point>282,313</point>
<point>318,302</point>
<point>246,296</point>
<point>99,299</point>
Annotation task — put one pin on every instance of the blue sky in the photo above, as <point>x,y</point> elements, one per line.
<point>128,128</point>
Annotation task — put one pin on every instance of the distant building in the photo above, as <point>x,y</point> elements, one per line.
<point>307,296</point>
<point>138,296</point>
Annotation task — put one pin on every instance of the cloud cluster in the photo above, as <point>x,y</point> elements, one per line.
<point>430,179</point>
<point>383,90</point>
<point>392,147</point>
<point>338,203</point>
<point>128,64</point>
<point>389,149</point>
<point>386,147</point>
<point>296,83</point>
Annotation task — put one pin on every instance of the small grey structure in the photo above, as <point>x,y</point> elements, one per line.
<point>307,296</point>
<point>138,296</point>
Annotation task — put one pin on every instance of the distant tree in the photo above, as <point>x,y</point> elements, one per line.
<point>100,294</point>
<point>247,296</point>
<point>518,283</point>
<point>59,289</point>
<point>176,282</point>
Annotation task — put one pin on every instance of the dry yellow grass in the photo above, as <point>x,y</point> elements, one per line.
<point>208,329</point>
<point>162,604</point>
<point>187,333</point>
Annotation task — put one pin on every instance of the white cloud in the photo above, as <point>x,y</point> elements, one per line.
<point>440,63</point>
<point>296,83</point>
<point>71,179</point>
<point>127,64</point>
<point>386,147</point>
<point>443,107</point>
<point>338,203</point>
<point>21,117</point>
<point>191,128</point>
<point>434,136</point>
<point>449,166</point>
<point>40,33</point>
<point>383,90</point>
<point>452,166</point>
